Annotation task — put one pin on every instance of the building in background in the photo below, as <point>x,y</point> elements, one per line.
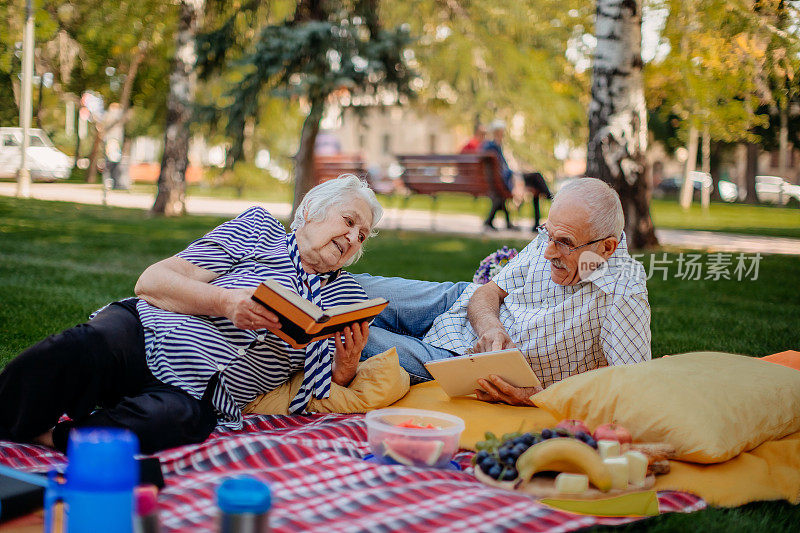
<point>380,132</point>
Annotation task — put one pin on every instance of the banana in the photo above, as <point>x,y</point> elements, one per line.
<point>564,455</point>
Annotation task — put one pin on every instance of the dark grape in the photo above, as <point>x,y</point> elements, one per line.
<point>510,473</point>
<point>582,436</point>
<point>547,433</point>
<point>529,439</point>
<point>481,455</point>
<point>519,449</point>
<point>561,432</point>
<point>591,442</point>
<point>494,472</point>
<point>487,463</point>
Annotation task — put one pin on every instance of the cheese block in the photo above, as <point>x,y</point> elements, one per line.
<point>572,483</point>
<point>618,466</point>
<point>608,448</point>
<point>637,468</point>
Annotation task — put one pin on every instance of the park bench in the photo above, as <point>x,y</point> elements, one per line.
<point>475,174</point>
<point>327,167</point>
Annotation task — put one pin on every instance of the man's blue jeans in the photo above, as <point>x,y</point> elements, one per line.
<point>413,306</point>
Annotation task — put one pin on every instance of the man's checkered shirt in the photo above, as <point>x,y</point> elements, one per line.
<point>562,330</point>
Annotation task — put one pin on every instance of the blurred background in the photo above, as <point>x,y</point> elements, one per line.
<point>239,97</point>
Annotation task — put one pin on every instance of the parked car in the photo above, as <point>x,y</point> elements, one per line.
<point>728,191</point>
<point>45,161</point>
<point>672,186</point>
<point>776,190</point>
<point>769,190</point>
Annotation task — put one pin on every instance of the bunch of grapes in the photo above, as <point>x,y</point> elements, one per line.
<point>497,458</point>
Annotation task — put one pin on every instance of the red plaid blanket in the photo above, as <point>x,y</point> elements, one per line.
<point>320,483</point>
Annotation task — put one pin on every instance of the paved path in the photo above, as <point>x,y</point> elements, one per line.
<point>394,218</point>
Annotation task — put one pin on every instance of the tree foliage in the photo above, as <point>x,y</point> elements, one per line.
<point>323,48</point>
<point>90,45</point>
<point>731,64</point>
<point>509,59</point>
<point>708,79</point>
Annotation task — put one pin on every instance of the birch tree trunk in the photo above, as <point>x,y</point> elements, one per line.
<point>91,174</point>
<point>618,118</point>
<point>171,197</point>
<point>687,189</point>
<point>705,166</point>
<point>751,169</point>
<point>304,159</point>
<point>783,142</point>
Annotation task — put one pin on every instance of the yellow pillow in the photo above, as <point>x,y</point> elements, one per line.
<point>380,381</point>
<point>711,406</point>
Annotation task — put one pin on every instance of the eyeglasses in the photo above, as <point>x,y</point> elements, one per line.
<point>563,248</point>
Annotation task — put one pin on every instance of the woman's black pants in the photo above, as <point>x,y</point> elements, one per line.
<point>96,373</point>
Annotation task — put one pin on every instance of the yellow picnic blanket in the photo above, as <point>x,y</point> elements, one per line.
<point>768,472</point>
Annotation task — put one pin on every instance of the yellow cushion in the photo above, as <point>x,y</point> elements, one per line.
<point>479,417</point>
<point>711,406</point>
<point>380,381</point>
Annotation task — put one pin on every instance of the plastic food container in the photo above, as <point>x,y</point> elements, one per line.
<point>393,438</point>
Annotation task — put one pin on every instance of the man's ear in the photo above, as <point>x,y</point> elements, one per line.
<point>608,247</point>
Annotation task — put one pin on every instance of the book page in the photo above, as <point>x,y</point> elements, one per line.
<point>293,298</point>
<point>342,309</point>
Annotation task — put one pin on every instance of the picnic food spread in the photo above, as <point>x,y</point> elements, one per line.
<point>413,437</point>
<point>569,460</point>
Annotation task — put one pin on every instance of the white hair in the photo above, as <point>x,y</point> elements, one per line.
<point>606,218</point>
<point>318,201</point>
<point>497,124</point>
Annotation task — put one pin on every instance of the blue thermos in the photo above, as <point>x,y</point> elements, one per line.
<point>101,476</point>
<point>244,503</point>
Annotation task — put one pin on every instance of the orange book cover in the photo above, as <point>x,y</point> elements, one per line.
<point>303,322</point>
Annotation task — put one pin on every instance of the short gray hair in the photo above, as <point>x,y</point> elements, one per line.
<point>318,201</point>
<point>497,124</point>
<point>603,205</point>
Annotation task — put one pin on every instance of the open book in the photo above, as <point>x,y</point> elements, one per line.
<point>303,322</point>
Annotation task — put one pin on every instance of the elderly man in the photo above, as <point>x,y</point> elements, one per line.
<point>571,301</point>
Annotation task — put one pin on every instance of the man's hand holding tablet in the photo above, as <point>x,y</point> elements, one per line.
<point>502,376</point>
<point>497,390</point>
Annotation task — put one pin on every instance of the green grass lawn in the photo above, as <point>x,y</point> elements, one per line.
<point>60,261</point>
<point>733,218</point>
<point>667,214</point>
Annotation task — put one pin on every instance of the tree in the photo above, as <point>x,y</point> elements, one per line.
<point>618,118</point>
<point>115,51</point>
<point>325,47</point>
<point>521,61</point>
<point>708,79</point>
<point>171,197</point>
<point>782,71</point>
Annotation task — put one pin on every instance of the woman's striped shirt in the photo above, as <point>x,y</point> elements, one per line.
<point>187,350</point>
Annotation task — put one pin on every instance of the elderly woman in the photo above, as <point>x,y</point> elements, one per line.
<point>194,348</point>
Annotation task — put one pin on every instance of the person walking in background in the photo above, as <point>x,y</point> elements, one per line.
<point>474,145</point>
<point>497,129</point>
<point>535,184</point>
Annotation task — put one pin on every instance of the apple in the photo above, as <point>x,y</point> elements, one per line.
<point>574,426</point>
<point>612,431</point>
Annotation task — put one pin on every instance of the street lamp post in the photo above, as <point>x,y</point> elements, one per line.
<point>24,176</point>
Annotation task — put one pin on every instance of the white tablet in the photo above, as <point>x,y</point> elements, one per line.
<point>459,375</point>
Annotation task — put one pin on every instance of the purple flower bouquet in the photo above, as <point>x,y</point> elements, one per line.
<point>492,264</point>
